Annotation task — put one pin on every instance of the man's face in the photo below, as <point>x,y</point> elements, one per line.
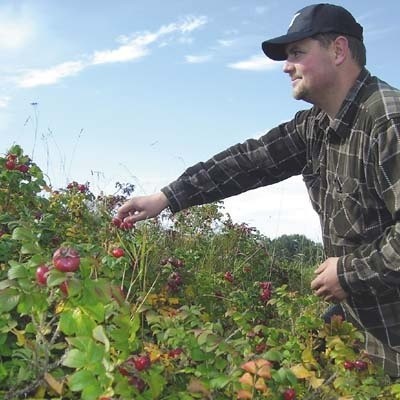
<point>312,71</point>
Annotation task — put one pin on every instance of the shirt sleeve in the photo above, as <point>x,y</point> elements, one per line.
<point>275,156</point>
<point>376,266</point>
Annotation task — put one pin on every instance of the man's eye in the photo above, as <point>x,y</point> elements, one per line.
<point>294,54</point>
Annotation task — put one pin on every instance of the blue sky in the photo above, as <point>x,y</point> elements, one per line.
<point>136,91</point>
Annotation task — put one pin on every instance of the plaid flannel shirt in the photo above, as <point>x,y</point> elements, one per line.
<point>351,167</point>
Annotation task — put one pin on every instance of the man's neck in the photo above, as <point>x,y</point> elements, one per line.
<point>334,98</point>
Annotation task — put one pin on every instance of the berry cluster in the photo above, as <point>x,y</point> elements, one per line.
<point>132,367</point>
<point>124,225</point>
<point>289,394</point>
<point>358,365</point>
<point>266,291</point>
<point>174,281</point>
<point>80,187</point>
<point>174,261</point>
<point>65,259</point>
<point>228,276</point>
<point>14,163</point>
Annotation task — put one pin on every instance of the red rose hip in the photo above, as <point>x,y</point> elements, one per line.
<point>66,259</point>
<point>41,274</point>
<point>118,252</point>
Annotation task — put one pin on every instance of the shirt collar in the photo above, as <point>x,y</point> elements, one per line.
<point>343,121</point>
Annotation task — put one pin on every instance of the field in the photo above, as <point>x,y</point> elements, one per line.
<point>185,306</point>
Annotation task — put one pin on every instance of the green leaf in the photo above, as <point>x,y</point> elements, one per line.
<point>100,335</point>
<point>220,363</point>
<point>36,260</point>
<point>86,345</point>
<point>81,342</point>
<point>95,354</point>
<point>23,234</point>
<point>84,325</point>
<point>74,287</point>
<point>7,327</point>
<point>67,323</point>
<point>291,377</point>
<point>202,338</point>
<point>92,392</point>
<point>5,284</point>
<point>96,311</point>
<point>283,376</point>
<point>17,271</point>
<point>220,382</point>
<point>9,299</point>
<point>156,383</point>
<point>26,304</point>
<point>80,379</point>
<point>30,248</point>
<point>135,325</point>
<point>55,277</point>
<point>212,343</point>
<point>75,359</point>
<point>273,355</point>
<point>340,382</point>
<point>395,389</point>
<point>198,355</point>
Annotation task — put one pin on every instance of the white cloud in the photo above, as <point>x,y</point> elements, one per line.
<point>255,63</point>
<point>282,208</point>
<point>4,101</point>
<point>131,48</point>
<point>50,75</point>
<point>191,23</point>
<point>16,28</point>
<point>131,51</point>
<point>197,59</point>
<point>137,46</point>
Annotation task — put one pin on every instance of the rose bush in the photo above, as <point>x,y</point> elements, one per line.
<point>195,308</point>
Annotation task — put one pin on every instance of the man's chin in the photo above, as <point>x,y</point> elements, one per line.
<point>298,95</point>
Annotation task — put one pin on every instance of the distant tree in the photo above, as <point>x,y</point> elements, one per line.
<point>290,247</point>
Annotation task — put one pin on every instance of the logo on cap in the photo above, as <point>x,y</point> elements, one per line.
<point>294,17</point>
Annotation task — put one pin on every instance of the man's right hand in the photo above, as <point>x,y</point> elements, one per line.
<point>142,207</point>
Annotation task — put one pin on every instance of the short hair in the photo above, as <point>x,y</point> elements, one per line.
<point>356,46</point>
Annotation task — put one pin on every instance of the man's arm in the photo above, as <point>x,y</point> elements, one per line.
<point>279,154</point>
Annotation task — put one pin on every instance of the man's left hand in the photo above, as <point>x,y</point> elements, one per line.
<point>326,284</point>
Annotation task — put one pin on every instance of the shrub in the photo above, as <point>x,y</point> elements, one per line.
<point>191,306</point>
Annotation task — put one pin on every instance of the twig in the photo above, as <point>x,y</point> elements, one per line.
<point>16,394</point>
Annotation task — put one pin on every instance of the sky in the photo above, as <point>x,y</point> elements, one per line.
<point>138,91</point>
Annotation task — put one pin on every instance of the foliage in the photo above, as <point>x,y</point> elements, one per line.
<point>190,306</point>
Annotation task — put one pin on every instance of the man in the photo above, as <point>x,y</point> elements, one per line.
<point>347,148</point>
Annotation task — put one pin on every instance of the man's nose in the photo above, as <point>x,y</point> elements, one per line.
<point>287,67</point>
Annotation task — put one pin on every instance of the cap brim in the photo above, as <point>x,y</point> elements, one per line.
<point>276,48</point>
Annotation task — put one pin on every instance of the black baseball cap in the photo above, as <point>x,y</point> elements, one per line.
<point>310,20</point>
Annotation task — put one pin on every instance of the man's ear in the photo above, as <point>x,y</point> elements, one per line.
<point>341,49</point>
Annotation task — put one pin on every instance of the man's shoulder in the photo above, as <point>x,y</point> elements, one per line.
<point>380,100</point>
